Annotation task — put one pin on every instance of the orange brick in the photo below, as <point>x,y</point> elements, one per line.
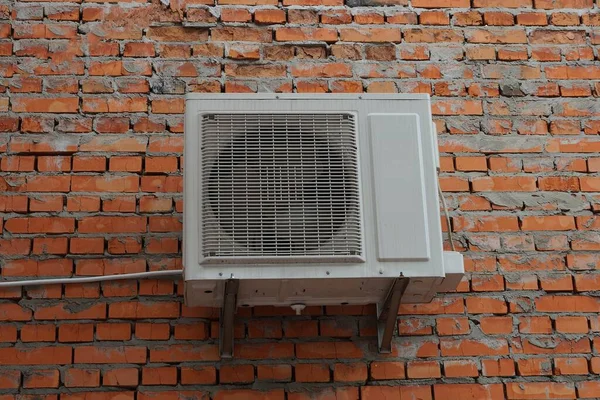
<point>423,370</point>
<point>534,366</point>
<point>161,164</point>
<point>235,15</point>
<point>120,377</point>
<point>199,375</point>
<point>113,331</point>
<point>559,283</point>
<point>159,376</point>
<point>469,18</point>
<point>40,225</point>
<point>503,3</point>
<point>566,324</point>
<point>504,36</point>
<point>121,204</point>
<point>548,223</point>
<point>460,368</point>
<point>571,366</point>
<point>312,373</point>
<point>512,54</point>
<point>571,303</point>
<point>388,370</point>
<point>46,105</point>
<point>595,365</point>
<point>496,325</point>
<point>112,224</point>
<point>10,379</point>
<point>152,331</point>
<point>35,379</point>
<point>241,52</point>
<point>492,391</point>
<point>8,334</point>
<point>38,333</point>
<point>557,4</point>
<point>370,35</point>
<point>46,203</point>
<point>433,18</point>
<point>265,16</point>
<point>441,3</point>
<point>275,373</point>
<point>495,18</point>
<point>472,347</point>
<point>538,324</point>
<point>471,163</point>
<point>497,183</point>
<point>534,390</point>
<point>76,333</point>
<point>588,390</point>
<point>452,326</point>
<point>498,367</point>
<point>354,372</point>
<point>137,49</point>
<point>236,374</point>
<point>113,355</point>
<point>75,377</point>
<point>86,246</point>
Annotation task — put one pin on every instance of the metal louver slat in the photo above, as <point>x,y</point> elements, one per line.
<point>280,185</point>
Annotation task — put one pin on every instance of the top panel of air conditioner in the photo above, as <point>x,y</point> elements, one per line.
<point>305,186</point>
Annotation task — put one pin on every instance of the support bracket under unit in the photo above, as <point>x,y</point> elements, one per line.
<point>387,313</point>
<point>227,318</point>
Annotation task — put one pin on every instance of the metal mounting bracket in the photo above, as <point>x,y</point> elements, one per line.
<point>227,318</point>
<point>387,313</point>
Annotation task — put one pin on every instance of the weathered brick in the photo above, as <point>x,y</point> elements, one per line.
<point>91,184</point>
<point>46,105</point>
<point>533,390</point>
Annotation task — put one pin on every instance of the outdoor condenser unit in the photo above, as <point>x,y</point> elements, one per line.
<point>312,199</point>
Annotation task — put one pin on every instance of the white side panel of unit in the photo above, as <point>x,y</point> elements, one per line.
<point>454,268</point>
<point>191,193</point>
<point>399,200</point>
<point>436,147</point>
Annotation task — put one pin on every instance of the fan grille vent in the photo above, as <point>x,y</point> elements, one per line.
<point>277,185</point>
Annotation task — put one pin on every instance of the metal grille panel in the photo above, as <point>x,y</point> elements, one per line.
<point>280,185</point>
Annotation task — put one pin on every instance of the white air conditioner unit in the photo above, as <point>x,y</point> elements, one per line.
<point>306,199</point>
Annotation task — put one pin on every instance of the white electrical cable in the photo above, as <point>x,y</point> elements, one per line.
<point>90,279</point>
<point>450,237</point>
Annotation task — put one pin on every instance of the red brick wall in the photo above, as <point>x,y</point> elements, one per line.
<point>90,184</point>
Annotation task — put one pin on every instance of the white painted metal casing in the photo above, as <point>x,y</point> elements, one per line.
<point>399,209</point>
